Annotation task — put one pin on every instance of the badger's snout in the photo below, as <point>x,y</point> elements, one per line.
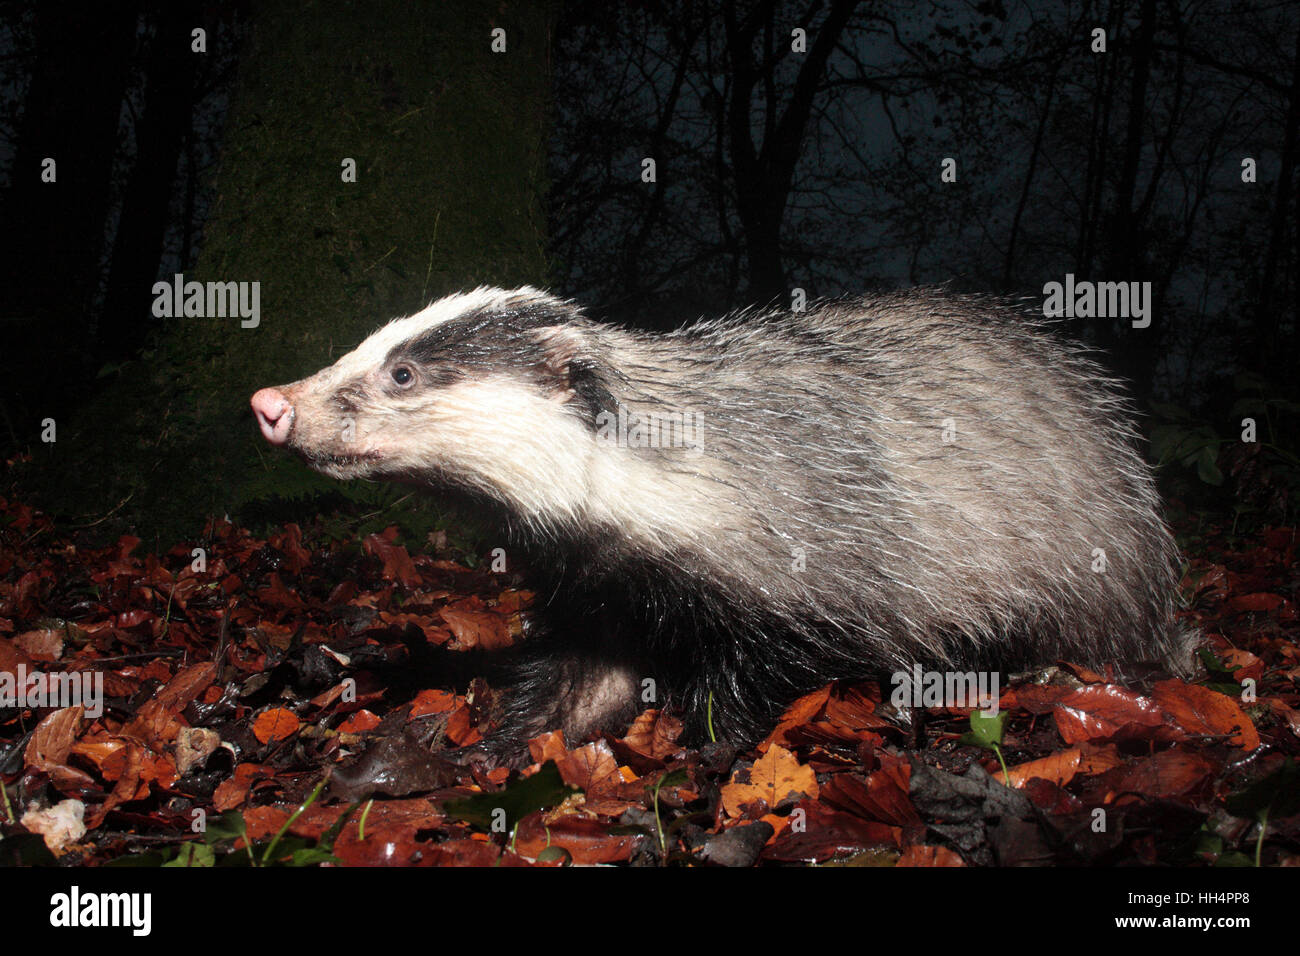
<point>274,414</point>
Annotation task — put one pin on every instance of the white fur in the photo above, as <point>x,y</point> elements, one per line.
<point>514,442</point>
<point>376,347</point>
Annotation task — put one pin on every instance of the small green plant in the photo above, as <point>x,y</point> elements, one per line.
<point>986,731</point>
<point>674,779</point>
<point>217,845</point>
<point>1277,794</point>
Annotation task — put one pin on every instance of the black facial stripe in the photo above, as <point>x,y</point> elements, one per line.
<point>482,339</point>
<point>440,375</point>
<point>506,339</point>
<point>591,393</point>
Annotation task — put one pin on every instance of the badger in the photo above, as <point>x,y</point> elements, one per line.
<point>725,517</point>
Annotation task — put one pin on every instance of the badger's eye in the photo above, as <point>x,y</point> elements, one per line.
<point>403,375</point>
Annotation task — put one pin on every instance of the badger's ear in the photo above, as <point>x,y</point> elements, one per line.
<point>562,346</point>
<point>572,370</point>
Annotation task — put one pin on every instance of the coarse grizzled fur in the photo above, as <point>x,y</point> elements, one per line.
<point>878,482</point>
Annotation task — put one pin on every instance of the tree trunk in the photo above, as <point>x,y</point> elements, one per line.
<point>126,317</point>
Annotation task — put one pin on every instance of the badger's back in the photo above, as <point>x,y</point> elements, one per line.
<point>912,478</point>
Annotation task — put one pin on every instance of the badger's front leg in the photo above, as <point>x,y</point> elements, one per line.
<point>549,686</point>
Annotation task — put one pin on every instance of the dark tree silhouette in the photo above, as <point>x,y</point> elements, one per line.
<point>54,233</point>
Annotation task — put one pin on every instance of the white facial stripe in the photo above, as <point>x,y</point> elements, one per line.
<point>532,450</point>
<point>372,352</point>
<point>505,436</point>
<point>501,433</point>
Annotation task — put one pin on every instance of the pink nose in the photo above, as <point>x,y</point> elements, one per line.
<point>274,414</point>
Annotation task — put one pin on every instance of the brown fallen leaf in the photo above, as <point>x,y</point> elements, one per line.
<point>471,626</point>
<point>654,734</point>
<point>591,768</point>
<point>187,685</point>
<point>359,722</point>
<point>1199,710</point>
<point>1170,773</point>
<point>1094,759</point>
<point>51,743</point>
<point>398,565</point>
<point>1248,665</point>
<point>883,796</point>
<point>129,786</point>
<point>803,711</point>
<point>52,740</point>
<point>586,840</point>
<point>827,833</point>
<point>1059,768</point>
<point>548,746</point>
<point>233,791</point>
<point>433,702</point>
<point>1288,715</point>
<point>275,724</point>
<point>1106,711</point>
<point>1255,602</point>
<point>775,779</point>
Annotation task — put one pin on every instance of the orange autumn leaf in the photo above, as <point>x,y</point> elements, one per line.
<point>1199,710</point>
<point>1247,664</point>
<point>275,724</point>
<point>654,734</point>
<point>359,722</point>
<point>232,791</point>
<point>106,753</point>
<point>775,778</point>
<point>432,702</point>
<point>129,786</point>
<point>1059,768</point>
<point>802,712</point>
<point>587,841</point>
<point>548,746</point>
<point>460,731</point>
<point>591,768</point>
<point>1094,759</point>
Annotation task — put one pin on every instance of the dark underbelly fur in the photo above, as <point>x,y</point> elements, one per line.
<point>603,647</point>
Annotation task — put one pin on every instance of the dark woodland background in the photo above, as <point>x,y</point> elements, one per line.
<point>1170,158</point>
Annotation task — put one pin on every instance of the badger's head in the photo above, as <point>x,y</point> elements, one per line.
<point>492,390</point>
